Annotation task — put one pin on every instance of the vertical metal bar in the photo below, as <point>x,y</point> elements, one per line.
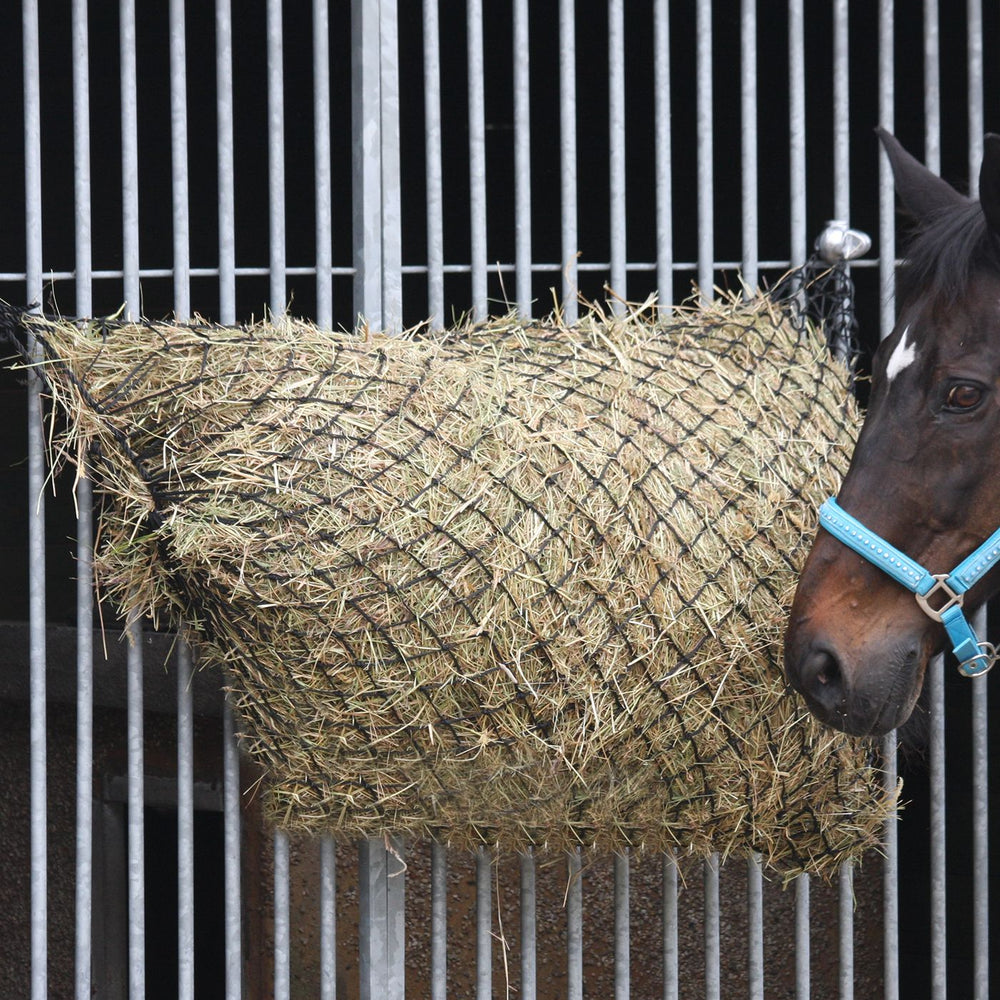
<point>130,160</point>
<point>671,955</point>
<point>938,818</point>
<point>980,828</point>
<point>574,927</point>
<point>622,966</point>
<point>704,129</point>
<point>323,169</point>
<point>276,156</point>
<point>81,162</point>
<point>841,113</point>
<point>135,822</point>
<point>755,928</point>
<point>616,144</point>
<point>529,952</point>
<point>327,918</point>
<point>890,877</point>
<point>282,918</point>
<point>432,165</point>
<point>185,825</point>
<point>974,72</point>
<point>802,982</point>
<point>846,930</point>
<point>713,927</point>
<point>36,516</point>
<point>748,145</point>
<point>392,251</point>
<point>439,921</point>
<point>477,156</point>
<point>887,196</point>
<point>522,160</point>
<point>797,130</point>
<point>232,862</point>
<point>178,161</point>
<point>932,87</point>
<point>664,172</point>
<point>484,924</point>
<point>366,129</point>
<point>567,158</point>
<point>224,128</point>
<point>381,929</point>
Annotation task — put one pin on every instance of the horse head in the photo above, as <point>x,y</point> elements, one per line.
<point>925,475</point>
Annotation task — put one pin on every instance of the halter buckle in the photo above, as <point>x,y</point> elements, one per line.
<point>952,599</point>
<point>981,663</point>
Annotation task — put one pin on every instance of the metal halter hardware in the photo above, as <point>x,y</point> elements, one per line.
<point>974,657</point>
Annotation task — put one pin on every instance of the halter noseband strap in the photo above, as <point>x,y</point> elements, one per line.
<point>946,589</point>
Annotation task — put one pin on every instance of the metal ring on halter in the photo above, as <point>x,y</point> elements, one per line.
<point>988,655</point>
<point>952,599</point>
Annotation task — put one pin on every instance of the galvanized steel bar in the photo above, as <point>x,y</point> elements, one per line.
<point>484,924</point>
<point>224,140</point>
<point>439,921</point>
<point>432,165</point>
<point>886,190</point>
<point>178,160</point>
<point>755,928</point>
<point>327,918</point>
<point>671,954</point>
<point>82,258</point>
<point>845,920</point>
<point>322,164</point>
<point>890,878</point>
<point>932,87</point>
<point>841,113</point>
<point>381,934</point>
<point>392,238</point>
<point>704,129</point>
<point>797,131</point>
<point>185,825</point>
<point>233,843</point>
<point>664,170</point>
<point>574,927</point>
<point>616,145</point>
<point>529,963</point>
<point>522,160</point>
<point>282,918</point>
<point>974,95</point>
<point>938,829</point>
<point>477,156</point>
<point>135,818</point>
<point>713,930</point>
<point>567,159</point>
<point>130,160</point>
<point>622,966</point>
<point>276,157</point>
<point>802,956</point>
<point>980,828</point>
<point>748,142</point>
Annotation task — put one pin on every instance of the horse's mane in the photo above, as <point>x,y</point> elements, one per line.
<point>946,251</point>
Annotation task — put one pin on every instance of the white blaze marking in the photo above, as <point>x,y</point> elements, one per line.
<point>902,357</point>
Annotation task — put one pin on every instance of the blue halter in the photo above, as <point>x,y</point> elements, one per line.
<point>974,657</point>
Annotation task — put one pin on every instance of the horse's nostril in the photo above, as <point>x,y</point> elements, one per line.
<point>820,679</point>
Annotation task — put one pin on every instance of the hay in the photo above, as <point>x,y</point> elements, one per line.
<point>520,585</point>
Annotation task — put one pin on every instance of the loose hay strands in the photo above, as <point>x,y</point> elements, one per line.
<point>517,585</point>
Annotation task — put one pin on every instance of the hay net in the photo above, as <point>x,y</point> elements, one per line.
<point>518,584</point>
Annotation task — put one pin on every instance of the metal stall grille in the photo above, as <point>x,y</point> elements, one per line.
<point>430,161</point>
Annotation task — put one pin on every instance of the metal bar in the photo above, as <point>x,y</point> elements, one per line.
<point>886,191</point>
<point>477,156</point>
<point>755,928</point>
<point>323,168</point>
<point>980,828</point>
<point>616,144</point>
<point>622,967</point>
<point>282,918</point>
<point>574,927</point>
<point>841,113</point>
<point>932,87</point>
<point>439,921</point>
<point>392,252</point>
<point>381,929</point>
<point>484,924</point>
<point>974,73</point>
<point>276,156</point>
<point>567,159</point>
<point>185,825</point>
<point>938,824</point>
<point>327,918</point>
<point>664,172</point>
<point>713,953</point>
<point>706,182</point>
<point>890,878</point>
<point>136,802</point>
<point>178,161</point>
<point>224,129</point>
<point>671,954</point>
<point>802,977</point>
<point>82,259</point>
<point>748,144</point>
<point>846,931</point>
<point>529,927</point>
<point>797,130</point>
<point>231,863</point>
<point>522,159</point>
<point>130,160</point>
<point>432,165</point>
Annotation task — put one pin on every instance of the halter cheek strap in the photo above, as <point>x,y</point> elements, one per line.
<point>945,590</point>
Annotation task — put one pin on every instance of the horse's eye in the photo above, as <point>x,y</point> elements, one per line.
<point>964,396</point>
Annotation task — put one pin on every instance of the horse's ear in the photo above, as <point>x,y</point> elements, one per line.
<point>989,181</point>
<point>922,192</point>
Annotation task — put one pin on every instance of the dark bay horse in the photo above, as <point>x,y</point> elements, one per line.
<point>923,488</point>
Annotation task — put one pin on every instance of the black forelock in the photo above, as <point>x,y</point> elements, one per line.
<point>945,252</point>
